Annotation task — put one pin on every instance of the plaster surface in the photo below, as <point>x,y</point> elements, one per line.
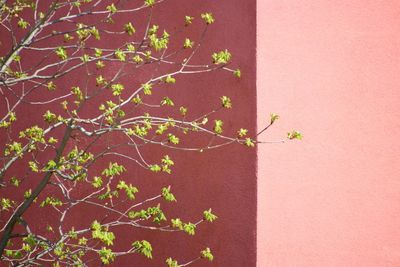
<point>222,179</point>
<point>331,70</point>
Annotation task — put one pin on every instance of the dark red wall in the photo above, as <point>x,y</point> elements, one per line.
<point>223,179</point>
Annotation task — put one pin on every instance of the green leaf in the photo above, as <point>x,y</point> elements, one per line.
<point>159,43</point>
<point>106,255</point>
<point>167,102</point>
<point>171,263</point>
<point>82,31</point>
<point>97,182</point>
<point>208,18</point>
<point>49,117</point>
<point>143,247</point>
<point>188,43</point>
<point>167,195</point>
<point>52,140</point>
<point>82,241</point>
<point>26,247</point>
<point>237,73</point>
<point>188,20</point>
<point>130,47</point>
<point>100,64</point>
<point>72,234</point>
<point>129,29</point>
<point>161,128</point>
<point>294,135</point>
<point>117,89</point>
<point>130,190</point>
<point>51,165</point>
<point>101,233</point>
<point>27,193</point>
<point>226,102</point>
<point>6,204</point>
<point>98,52</point>
<point>249,142</point>
<point>177,223</point>
<point>206,254</point>
<point>13,117</point>
<point>100,80</point>
<point>183,111</point>
<point>155,168</point>
<point>85,58</point>
<point>156,213</point>
<point>17,58</point>
<point>189,228</point>
<point>62,53</point>
<point>137,100</point>
<point>68,37</point>
<point>113,170</point>
<point>15,181</point>
<point>51,201</point>
<point>33,166</point>
<point>119,54</point>
<point>147,88</point>
<point>173,139</point>
<point>14,148</point>
<point>138,214</point>
<point>209,216</point>
<point>274,117</point>
<point>137,59</point>
<point>22,23</point>
<point>167,162</point>
<point>221,57</point>
<point>111,8</point>
<point>242,132</point>
<point>170,79</point>
<point>95,32</point>
<point>51,86</point>
<point>149,3</point>
<point>77,92</point>
<point>218,126</point>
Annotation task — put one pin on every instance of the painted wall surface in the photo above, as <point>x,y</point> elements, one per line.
<point>330,69</point>
<point>223,179</point>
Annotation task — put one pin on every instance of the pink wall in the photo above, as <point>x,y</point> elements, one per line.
<point>330,69</point>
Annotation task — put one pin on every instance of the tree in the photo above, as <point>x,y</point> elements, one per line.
<point>76,154</point>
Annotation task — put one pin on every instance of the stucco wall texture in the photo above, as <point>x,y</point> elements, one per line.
<point>331,70</point>
<point>223,179</point>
